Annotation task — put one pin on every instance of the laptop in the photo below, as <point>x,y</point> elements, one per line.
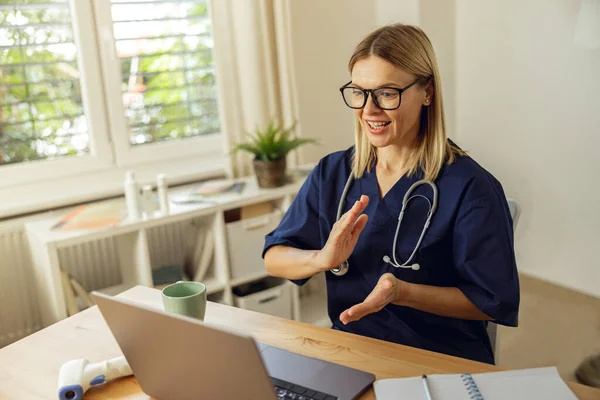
<point>174,357</point>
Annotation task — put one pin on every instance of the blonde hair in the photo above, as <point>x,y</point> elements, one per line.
<point>408,48</point>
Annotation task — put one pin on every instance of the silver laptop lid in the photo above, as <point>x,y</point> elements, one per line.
<point>180,358</point>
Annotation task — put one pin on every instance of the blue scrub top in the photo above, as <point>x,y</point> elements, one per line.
<point>469,245</point>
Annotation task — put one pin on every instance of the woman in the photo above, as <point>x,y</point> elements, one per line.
<point>464,269</point>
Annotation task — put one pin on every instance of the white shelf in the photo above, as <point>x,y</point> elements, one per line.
<point>213,285</point>
<point>116,289</point>
<point>251,194</point>
<point>133,248</point>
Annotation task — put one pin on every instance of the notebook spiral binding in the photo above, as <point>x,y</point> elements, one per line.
<point>471,386</point>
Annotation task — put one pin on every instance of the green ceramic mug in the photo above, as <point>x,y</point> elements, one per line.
<point>185,298</point>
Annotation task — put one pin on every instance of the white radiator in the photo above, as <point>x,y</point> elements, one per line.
<point>94,264</point>
<point>19,312</point>
<point>168,244</point>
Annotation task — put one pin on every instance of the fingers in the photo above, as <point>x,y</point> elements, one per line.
<point>350,217</point>
<point>382,295</point>
<point>357,208</point>
<point>364,201</point>
<point>386,284</point>
<point>356,312</point>
<point>360,224</point>
<point>345,318</point>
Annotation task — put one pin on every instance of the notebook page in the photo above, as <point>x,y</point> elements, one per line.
<point>443,387</point>
<point>526,384</point>
<point>401,388</point>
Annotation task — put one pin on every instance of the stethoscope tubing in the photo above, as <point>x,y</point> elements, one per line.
<point>342,269</point>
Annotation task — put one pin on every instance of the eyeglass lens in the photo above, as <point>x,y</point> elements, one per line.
<point>385,98</point>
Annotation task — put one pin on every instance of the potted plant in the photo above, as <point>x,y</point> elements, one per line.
<point>270,148</point>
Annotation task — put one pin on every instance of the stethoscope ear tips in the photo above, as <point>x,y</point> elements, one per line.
<point>414,267</point>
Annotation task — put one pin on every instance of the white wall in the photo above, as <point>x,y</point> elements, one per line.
<point>324,34</point>
<point>394,11</point>
<point>437,18</point>
<point>528,109</point>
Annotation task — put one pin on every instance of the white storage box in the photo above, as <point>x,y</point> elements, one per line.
<point>245,241</point>
<point>271,296</point>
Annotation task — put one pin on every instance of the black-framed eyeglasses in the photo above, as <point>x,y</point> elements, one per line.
<point>385,98</point>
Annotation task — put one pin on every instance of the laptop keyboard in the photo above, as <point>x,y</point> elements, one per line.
<point>287,390</point>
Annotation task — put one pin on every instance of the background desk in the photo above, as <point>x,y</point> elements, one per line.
<point>29,368</point>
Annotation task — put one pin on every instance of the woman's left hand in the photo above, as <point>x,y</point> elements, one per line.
<point>387,290</point>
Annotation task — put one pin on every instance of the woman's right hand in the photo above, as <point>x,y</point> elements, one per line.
<point>344,236</point>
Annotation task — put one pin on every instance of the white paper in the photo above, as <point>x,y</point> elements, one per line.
<point>526,384</point>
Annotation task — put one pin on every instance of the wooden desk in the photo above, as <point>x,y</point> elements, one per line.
<point>29,368</point>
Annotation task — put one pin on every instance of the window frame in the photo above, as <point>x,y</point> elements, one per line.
<point>100,154</point>
<point>127,155</point>
<point>35,186</point>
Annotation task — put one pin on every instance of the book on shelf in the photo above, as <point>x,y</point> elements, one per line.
<point>92,216</point>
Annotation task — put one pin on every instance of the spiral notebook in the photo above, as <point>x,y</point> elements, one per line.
<point>526,384</point>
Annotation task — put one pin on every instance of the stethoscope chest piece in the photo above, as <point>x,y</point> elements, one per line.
<point>341,269</point>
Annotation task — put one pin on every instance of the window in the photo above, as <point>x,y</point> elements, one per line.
<point>50,125</point>
<point>94,85</point>
<point>167,72</point>
<point>163,52</point>
<point>42,112</point>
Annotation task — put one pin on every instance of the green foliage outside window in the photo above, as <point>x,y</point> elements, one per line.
<point>166,96</point>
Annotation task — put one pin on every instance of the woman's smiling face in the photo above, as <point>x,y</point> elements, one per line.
<point>388,127</point>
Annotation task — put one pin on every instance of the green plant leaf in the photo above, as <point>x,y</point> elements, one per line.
<point>272,143</point>
<point>295,143</point>
<point>249,147</point>
<point>285,134</point>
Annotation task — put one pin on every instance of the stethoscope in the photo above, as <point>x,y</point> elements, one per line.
<point>343,267</point>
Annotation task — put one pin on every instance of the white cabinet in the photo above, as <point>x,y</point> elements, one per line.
<point>237,250</point>
<point>244,237</point>
<point>272,296</point>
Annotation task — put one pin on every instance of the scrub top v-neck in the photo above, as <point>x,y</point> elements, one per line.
<point>469,245</point>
